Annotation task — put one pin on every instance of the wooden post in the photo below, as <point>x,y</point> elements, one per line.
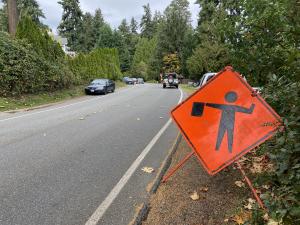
<point>12,12</point>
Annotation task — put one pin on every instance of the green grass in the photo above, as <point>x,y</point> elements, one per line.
<point>34,100</point>
<point>187,88</point>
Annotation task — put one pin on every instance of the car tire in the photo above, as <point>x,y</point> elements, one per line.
<point>176,86</point>
<point>164,86</point>
<point>113,90</point>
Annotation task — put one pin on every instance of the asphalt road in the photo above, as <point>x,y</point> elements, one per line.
<point>76,162</point>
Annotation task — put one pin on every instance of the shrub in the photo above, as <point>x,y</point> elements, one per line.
<point>23,70</point>
<point>101,62</point>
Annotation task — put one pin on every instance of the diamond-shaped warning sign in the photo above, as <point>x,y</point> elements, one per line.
<point>224,120</point>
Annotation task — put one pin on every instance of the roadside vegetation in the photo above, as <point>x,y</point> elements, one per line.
<point>29,101</point>
<point>259,38</point>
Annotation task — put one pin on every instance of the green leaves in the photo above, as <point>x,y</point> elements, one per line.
<point>102,63</point>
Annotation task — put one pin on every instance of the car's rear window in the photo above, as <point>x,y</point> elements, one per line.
<point>99,82</point>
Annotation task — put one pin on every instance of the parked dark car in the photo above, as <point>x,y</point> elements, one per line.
<point>100,86</point>
<point>129,81</point>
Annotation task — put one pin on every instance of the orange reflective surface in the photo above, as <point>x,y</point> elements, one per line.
<point>249,125</point>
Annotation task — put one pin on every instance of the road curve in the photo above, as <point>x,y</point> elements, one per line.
<point>58,164</point>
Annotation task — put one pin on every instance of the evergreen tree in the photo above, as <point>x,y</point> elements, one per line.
<point>146,23</point>
<point>106,37</point>
<point>124,28</point>
<point>29,8</point>
<point>174,28</point>
<point>98,22</point>
<point>86,40</point>
<point>71,22</point>
<point>133,26</point>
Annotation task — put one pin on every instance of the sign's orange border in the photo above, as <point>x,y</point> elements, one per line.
<point>246,150</point>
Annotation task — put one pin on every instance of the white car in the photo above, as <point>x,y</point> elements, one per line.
<point>207,76</point>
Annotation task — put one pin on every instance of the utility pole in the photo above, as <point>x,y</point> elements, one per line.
<point>12,16</point>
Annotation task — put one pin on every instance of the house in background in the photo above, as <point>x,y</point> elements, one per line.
<point>63,43</point>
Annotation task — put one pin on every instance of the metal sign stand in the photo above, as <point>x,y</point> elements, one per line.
<point>182,162</point>
<point>178,166</point>
<point>259,201</point>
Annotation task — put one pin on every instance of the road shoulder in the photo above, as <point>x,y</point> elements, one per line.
<point>219,197</point>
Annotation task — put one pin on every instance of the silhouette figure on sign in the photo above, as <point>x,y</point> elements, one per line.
<point>227,118</point>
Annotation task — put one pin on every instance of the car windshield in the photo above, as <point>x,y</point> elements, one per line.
<point>98,82</point>
<point>171,75</point>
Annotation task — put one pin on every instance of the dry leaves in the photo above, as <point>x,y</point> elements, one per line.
<point>272,222</point>
<point>256,168</point>
<point>239,183</point>
<point>204,189</point>
<point>195,196</point>
<point>238,219</point>
<point>250,204</point>
<point>148,169</point>
<point>266,217</point>
<point>242,217</point>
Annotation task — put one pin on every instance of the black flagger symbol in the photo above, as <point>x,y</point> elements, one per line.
<point>227,119</point>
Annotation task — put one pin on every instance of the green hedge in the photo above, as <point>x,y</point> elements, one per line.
<point>23,70</point>
<point>100,63</point>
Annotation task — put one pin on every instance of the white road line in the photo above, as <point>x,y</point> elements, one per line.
<point>61,107</point>
<point>98,214</point>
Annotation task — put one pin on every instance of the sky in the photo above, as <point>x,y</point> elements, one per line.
<point>113,10</point>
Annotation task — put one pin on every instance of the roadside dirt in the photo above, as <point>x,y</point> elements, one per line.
<point>218,201</point>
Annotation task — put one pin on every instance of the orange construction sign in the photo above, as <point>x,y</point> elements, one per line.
<point>224,120</point>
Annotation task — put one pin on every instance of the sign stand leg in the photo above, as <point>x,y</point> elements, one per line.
<point>259,201</point>
<point>178,166</point>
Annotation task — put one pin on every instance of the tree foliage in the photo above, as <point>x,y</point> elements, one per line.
<point>98,63</point>
<point>260,38</point>
<point>144,51</point>
<point>23,70</point>
<point>146,23</point>
<point>71,22</point>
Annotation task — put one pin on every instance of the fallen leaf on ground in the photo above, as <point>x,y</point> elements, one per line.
<point>239,183</point>
<point>258,159</point>
<point>194,196</point>
<point>204,189</point>
<point>251,200</point>
<point>243,159</point>
<point>256,168</point>
<point>273,222</point>
<point>241,217</point>
<point>266,186</point>
<point>147,169</point>
<point>248,206</point>
<point>226,220</point>
<point>238,219</point>
<point>266,217</point>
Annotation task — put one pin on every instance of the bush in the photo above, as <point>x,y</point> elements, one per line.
<point>23,70</point>
<point>283,199</point>
<point>101,62</point>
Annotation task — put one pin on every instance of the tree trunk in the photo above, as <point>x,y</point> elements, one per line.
<point>12,16</point>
